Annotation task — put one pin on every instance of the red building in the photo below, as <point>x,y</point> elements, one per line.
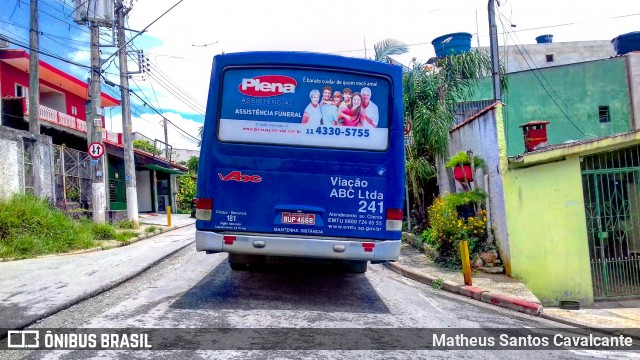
<point>63,118</point>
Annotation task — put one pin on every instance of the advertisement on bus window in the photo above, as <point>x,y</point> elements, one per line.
<point>305,107</point>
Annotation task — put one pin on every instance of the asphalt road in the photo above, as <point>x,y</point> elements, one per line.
<point>196,290</point>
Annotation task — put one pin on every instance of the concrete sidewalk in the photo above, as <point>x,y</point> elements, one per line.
<point>36,288</point>
<point>161,219</point>
<point>501,290</point>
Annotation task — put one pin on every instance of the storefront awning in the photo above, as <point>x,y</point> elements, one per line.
<point>163,169</point>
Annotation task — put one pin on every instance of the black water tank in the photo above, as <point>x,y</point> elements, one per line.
<point>626,43</point>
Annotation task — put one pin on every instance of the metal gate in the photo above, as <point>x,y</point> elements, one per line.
<point>72,175</point>
<point>611,186</point>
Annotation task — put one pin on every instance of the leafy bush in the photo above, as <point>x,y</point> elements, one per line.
<point>462,158</point>
<point>429,237</point>
<point>150,229</point>
<point>447,228</point>
<point>464,198</point>
<point>144,145</point>
<point>186,192</point>
<point>30,227</point>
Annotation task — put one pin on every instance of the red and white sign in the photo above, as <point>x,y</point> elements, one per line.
<point>96,150</point>
<point>298,218</point>
<point>407,127</point>
<point>268,85</point>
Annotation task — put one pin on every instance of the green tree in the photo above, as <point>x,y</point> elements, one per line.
<point>144,145</point>
<point>192,164</point>
<point>430,98</point>
<point>388,47</point>
<point>187,191</point>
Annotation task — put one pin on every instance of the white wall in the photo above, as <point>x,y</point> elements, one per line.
<point>143,182</point>
<point>481,136</point>
<point>515,58</point>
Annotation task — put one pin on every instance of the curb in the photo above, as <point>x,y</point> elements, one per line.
<point>473,292</point>
<point>608,331</point>
<point>99,290</point>
<point>106,247</point>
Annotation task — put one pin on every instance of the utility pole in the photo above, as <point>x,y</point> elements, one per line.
<point>34,96</point>
<point>94,130</point>
<point>166,140</point>
<point>127,135</point>
<point>493,40</point>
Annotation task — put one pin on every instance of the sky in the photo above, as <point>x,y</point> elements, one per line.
<point>181,44</point>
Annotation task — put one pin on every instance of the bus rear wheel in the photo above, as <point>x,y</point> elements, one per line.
<point>239,262</point>
<point>357,267</point>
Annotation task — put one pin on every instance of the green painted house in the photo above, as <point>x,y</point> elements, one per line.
<point>566,214</point>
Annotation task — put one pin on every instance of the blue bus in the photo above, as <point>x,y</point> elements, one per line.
<point>302,156</point>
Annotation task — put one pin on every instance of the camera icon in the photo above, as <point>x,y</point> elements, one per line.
<point>23,339</point>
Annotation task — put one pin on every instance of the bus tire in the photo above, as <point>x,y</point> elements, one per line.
<point>357,267</point>
<point>239,262</point>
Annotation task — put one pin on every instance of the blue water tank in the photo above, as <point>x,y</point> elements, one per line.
<point>544,39</point>
<point>627,43</point>
<point>452,44</point>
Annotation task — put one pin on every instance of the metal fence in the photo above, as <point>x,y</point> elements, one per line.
<point>611,186</point>
<point>73,175</point>
<point>465,110</point>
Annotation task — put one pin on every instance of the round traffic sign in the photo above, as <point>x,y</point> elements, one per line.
<point>407,127</point>
<point>96,150</point>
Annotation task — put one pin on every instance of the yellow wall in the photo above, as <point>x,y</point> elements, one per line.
<point>547,231</point>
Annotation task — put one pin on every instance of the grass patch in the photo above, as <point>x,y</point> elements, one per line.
<point>30,227</point>
<point>125,224</point>
<point>103,231</point>
<point>125,235</point>
<point>150,229</point>
<point>437,284</point>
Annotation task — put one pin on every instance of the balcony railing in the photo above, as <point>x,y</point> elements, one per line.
<point>68,121</point>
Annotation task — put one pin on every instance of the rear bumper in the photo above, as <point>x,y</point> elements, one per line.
<point>298,247</point>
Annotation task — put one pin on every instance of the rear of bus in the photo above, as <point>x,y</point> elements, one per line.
<point>278,176</point>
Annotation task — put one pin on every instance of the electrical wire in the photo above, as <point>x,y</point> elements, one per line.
<point>534,72</point>
<point>43,52</point>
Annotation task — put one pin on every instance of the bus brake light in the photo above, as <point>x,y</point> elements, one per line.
<point>204,207</point>
<point>394,220</point>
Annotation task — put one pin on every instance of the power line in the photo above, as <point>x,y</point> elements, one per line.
<point>124,46</point>
<point>110,83</point>
<point>15,42</point>
<point>533,71</point>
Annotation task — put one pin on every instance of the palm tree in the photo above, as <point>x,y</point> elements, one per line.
<point>430,98</point>
<point>388,47</point>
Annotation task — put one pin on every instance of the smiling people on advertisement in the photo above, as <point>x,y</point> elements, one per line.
<point>369,109</point>
<point>312,115</point>
<point>328,108</point>
<point>346,95</point>
<point>352,114</point>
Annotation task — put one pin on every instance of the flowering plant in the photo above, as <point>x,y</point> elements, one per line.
<point>447,228</point>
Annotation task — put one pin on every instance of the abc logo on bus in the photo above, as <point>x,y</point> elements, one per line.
<point>268,85</point>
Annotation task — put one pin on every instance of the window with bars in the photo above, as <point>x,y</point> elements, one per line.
<point>603,114</point>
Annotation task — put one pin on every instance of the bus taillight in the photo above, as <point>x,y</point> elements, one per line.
<point>203,208</point>
<point>394,219</point>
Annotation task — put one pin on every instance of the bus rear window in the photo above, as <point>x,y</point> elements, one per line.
<point>304,107</point>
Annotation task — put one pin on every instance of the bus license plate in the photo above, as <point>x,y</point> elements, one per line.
<point>298,218</point>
